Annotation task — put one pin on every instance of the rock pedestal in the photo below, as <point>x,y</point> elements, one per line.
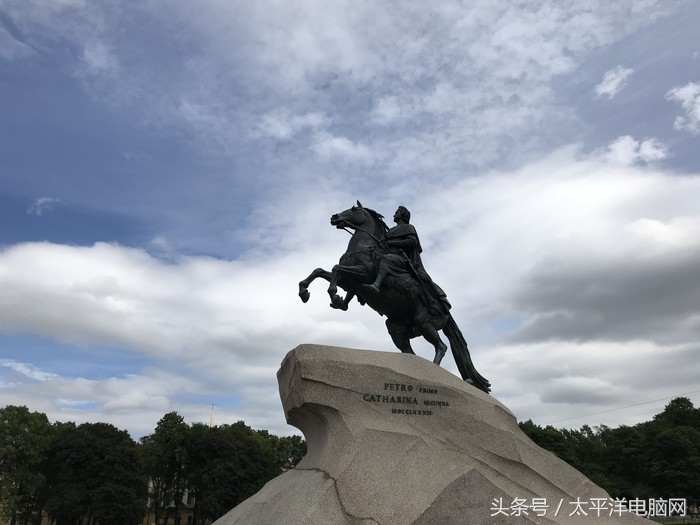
<point>395,440</point>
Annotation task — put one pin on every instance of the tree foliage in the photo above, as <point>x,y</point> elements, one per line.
<point>286,451</point>
<point>24,439</point>
<point>166,463</point>
<point>654,459</point>
<point>219,466</point>
<point>229,463</point>
<point>95,473</point>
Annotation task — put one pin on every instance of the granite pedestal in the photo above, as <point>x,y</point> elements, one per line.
<point>395,440</point>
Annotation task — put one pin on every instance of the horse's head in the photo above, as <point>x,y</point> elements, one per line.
<point>350,218</point>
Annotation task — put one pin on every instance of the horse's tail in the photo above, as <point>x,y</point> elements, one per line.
<point>460,351</point>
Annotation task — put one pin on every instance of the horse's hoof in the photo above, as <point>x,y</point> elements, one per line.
<point>372,288</point>
<point>304,295</point>
<point>337,303</point>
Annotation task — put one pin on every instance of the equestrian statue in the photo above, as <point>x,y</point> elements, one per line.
<point>383,269</point>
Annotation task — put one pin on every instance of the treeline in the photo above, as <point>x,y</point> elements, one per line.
<point>657,459</point>
<point>96,474</point>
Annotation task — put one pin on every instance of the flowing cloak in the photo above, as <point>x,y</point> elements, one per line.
<point>407,245</point>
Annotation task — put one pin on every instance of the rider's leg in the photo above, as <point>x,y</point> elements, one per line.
<point>381,274</point>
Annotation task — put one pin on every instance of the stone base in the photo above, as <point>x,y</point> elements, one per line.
<point>395,440</point>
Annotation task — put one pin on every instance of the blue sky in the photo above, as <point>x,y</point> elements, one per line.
<point>167,171</point>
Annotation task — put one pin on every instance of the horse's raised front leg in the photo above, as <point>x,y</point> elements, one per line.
<point>337,301</point>
<point>348,297</point>
<point>304,285</point>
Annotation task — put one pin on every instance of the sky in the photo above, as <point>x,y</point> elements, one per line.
<point>168,170</point>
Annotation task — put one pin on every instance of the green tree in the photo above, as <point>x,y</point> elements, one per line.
<point>679,412</point>
<point>286,451</point>
<point>588,453</point>
<point>654,459</point>
<point>289,451</point>
<point>95,474</point>
<point>24,439</point>
<point>625,461</point>
<point>550,439</point>
<point>166,463</point>
<point>67,492</point>
<point>228,464</point>
<point>675,463</point>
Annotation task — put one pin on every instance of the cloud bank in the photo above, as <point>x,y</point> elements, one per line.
<point>585,266</point>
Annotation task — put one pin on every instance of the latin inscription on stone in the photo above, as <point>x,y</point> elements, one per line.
<point>411,400</point>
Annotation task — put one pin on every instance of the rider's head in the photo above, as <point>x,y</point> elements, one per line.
<point>403,213</point>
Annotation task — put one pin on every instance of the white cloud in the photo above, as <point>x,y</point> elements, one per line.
<point>328,147</point>
<point>134,402</point>
<point>283,127</point>
<point>454,88</point>
<point>580,379</point>
<point>98,59</point>
<point>466,80</point>
<point>121,296</point>
<point>510,247</point>
<point>628,151</point>
<point>389,109</point>
<point>26,370</point>
<point>689,98</point>
<point>11,48</point>
<point>42,205</point>
<point>162,244</point>
<point>679,232</point>
<point>614,81</point>
<point>201,115</point>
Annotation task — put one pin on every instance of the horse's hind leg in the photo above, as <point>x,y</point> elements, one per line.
<point>427,330</point>
<point>432,336</point>
<point>304,285</point>
<point>400,334</point>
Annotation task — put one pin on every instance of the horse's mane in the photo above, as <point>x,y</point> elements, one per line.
<point>379,218</point>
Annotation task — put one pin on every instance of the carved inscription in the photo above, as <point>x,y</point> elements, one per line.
<point>390,399</point>
<point>416,396</point>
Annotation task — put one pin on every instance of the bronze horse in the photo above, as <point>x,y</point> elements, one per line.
<point>407,315</point>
